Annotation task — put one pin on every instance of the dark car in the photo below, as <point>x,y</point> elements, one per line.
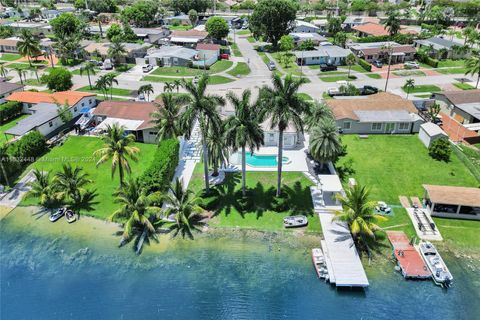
<point>377,63</point>
<point>327,67</point>
<point>368,90</point>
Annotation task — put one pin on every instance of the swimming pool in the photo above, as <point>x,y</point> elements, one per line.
<point>256,160</point>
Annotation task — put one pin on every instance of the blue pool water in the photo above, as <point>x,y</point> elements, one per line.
<point>61,276</point>
<point>256,160</point>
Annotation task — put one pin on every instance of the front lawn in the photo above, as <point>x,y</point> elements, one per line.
<point>7,125</point>
<point>236,51</point>
<point>115,91</point>
<point>451,63</point>
<point>10,56</point>
<point>423,88</point>
<point>409,73</point>
<point>176,71</point>
<point>262,190</point>
<point>31,82</point>
<point>374,76</point>
<point>23,66</point>
<point>459,70</point>
<point>292,66</point>
<point>219,80</point>
<point>463,86</point>
<point>78,151</point>
<point>341,77</point>
<point>241,69</point>
<point>220,66</point>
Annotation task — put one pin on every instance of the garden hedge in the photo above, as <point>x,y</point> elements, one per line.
<point>10,110</point>
<point>158,176</point>
<point>365,65</point>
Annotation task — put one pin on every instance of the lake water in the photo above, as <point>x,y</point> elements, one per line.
<point>49,272</point>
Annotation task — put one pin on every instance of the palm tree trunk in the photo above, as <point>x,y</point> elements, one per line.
<point>349,69</point>
<point>478,80</point>
<point>89,81</point>
<point>5,176</point>
<point>29,61</point>
<point>51,60</point>
<point>142,239</point>
<point>279,161</point>
<point>120,174</point>
<point>244,173</point>
<point>205,164</point>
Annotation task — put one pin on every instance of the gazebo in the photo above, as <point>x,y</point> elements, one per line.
<point>452,202</point>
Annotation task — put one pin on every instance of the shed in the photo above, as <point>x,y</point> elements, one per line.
<point>429,132</point>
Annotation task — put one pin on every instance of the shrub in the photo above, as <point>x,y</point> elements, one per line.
<point>426,59</point>
<point>365,65</point>
<point>440,150</point>
<point>160,173</point>
<point>10,110</point>
<point>25,151</point>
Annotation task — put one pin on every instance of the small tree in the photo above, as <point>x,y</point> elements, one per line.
<point>64,112</point>
<point>115,30</point>
<point>217,27</point>
<point>340,38</point>
<point>350,61</point>
<point>193,17</point>
<point>58,79</point>
<point>433,111</point>
<point>440,150</point>
<point>409,85</point>
<point>286,45</point>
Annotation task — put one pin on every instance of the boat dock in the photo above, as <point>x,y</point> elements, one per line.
<point>409,260</point>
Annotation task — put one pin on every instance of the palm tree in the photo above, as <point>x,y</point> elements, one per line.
<point>116,51</point>
<point>168,114</point>
<point>283,107</point>
<point>184,207</point>
<point>118,147</point>
<point>243,130</point>
<point>34,70</point>
<point>392,24</point>
<point>4,157</point>
<point>350,61</point>
<point>202,106</point>
<point>468,33</point>
<point>146,89</point>
<point>45,190</point>
<point>177,83</point>
<point>22,74</point>
<point>217,148</point>
<point>325,144</point>
<point>357,212</point>
<point>318,111</point>
<point>3,71</point>
<point>110,77</point>
<point>48,54</point>
<point>473,67</point>
<point>88,68</point>
<point>409,85</point>
<point>388,48</point>
<point>28,46</point>
<point>101,84</point>
<point>168,86</point>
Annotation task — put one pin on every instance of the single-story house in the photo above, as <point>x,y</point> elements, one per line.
<point>43,110</point>
<point>301,26</point>
<point>299,37</point>
<point>9,44</point>
<point>168,56</point>
<point>376,29</point>
<point>325,54</point>
<point>463,106</point>
<point>133,50</point>
<point>321,24</point>
<point>452,202</point>
<point>134,116</point>
<point>441,48</point>
<point>208,54</point>
<point>378,113</point>
<point>188,38</point>
<point>429,132</point>
<point>378,51</point>
<point>151,35</point>
<point>36,28</point>
<point>353,21</point>
<point>7,88</point>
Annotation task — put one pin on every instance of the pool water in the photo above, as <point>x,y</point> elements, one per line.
<point>256,160</point>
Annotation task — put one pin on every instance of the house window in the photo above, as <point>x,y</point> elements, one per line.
<point>83,104</point>
<point>376,126</point>
<point>50,124</point>
<point>75,109</point>
<point>403,126</point>
<point>347,125</point>
<point>153,133</point>
<point>369,57</point>
<point>90,101</point>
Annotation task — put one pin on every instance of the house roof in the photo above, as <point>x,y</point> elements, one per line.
<point>11,42</point>
<point>189,34</point>
<point>431,129</point>
<point>360,20</point>
<point>6,87</point>
<point>173,51</point>
<point>208,46</point>
<point>383,101</point>
<point>71,97</point>
<point>439,43</point>
<point>453,195</point>
<point>44,112</point>
<point>376,29</point>
<point>460,97</point>
<point>128,110</point>
<point>324,51</point>
<point>301,23</point>
<point>377,47</point>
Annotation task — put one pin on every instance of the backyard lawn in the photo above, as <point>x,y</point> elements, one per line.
<point>4,127</point>
<point>115,91</point>
<point>241,69</point>
<point>217,67</point>
<point>262,189</point>
<point>78,151</point>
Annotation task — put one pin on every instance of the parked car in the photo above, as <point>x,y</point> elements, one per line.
<point>147,68</point>
<point>332,91</point>
<point>224,56</point>
<point>411,65</point>
<point>271,66</point>
<point>107,64</point>
<point>96,62</point>
<point>368,90</point>
<point>377,63</point>
<point>327,67</point>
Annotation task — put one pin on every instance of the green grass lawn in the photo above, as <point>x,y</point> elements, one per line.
<point>180,27</point>
<point>31,82</point>
<point>7,125</point>
<point>10,56</point>
<point>157,79</point>
<point>220,66</point>
<point>292,67</point>
<point>341,77</point>
<point>264,57</point>
<point>115,91</point>
<point>78,152</point>
<point>423,88</point>
<point>374,76</point>
<point>463,86</point>
<point>459,70</point>
<point>355,67</point>
<point>451,63</point>
<point>235,50</point>
<point>124,67</point>
<point>243,32</point>
<point>262,188</point>
<point>176,71</point>
<point>241,69</point>
<point>219,80</point>
<point>251,39</point>
<point>23,66</point>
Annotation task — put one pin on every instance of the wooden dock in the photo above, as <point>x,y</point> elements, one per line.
<point>409,260</point>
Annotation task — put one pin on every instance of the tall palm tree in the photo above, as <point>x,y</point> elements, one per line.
<point>102,85</point>
<point>3,71</point>
<point>357,212</point>
<point>177,83</point>
<point>392,24</point>
<point>146,89</point>
<point>119,148</point>
<point>168,114</point>
<point>89,69</point>
<point>317,112</point>
<point>168,86</point>
<point>4,158</point>
<point>325,144</point>
<point>116,51</point>
<point>350,61</point>
<point>48,54</point>
<point>28,46</point>
<point>184,207</point>
<point>282,106</point>
<point>202,106</point>
<point>473,67</point>
<point>243,130</point>
<point>217,148</point>
<point>409,85</point>
<point>110,77</point>
<point>22,74</point>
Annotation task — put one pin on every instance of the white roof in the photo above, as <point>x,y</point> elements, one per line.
<point>125,123</point>
<point>184,39</point>
<point>330,182</point>
<point>432,129</point>
<point>472,126</point>
<point>301,23</point>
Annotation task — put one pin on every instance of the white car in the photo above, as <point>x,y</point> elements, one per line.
<point>332,91</point>
<point>147,68</point>
<point>411,65</point>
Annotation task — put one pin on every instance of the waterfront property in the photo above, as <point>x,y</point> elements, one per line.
<point>378,113</point>
<point>452,202</point>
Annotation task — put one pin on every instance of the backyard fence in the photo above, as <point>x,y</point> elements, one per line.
<point>466,161</point>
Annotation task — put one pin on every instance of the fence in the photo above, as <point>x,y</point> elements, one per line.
<point>466,161</point>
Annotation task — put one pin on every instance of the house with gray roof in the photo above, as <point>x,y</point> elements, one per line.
<point>325,54</point>
<point>7,88</point>
<point>441,48</point>
<point>168,56</point>
<point>463,106</point>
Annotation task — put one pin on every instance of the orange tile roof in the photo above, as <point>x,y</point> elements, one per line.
<point>131,110</point>
<point>71,97</point>
<point>376,29</point>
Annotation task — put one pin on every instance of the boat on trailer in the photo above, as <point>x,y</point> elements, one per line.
<point>295,221</point>
<point>440,273</point>
<point>319,263</point>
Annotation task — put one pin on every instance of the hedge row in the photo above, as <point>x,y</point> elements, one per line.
<point>10,110</point>
<point>430,61</point>
<point>160,173</point>
<point>365,65</point>
<point>399,38</point>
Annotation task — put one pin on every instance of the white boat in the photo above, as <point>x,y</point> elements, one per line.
<point>440,273</point>
<point>295,221</point>
<point>57,215</point>
<point>319,263</point>
<point>70,216</point>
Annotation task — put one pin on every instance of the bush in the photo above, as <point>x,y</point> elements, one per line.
<point>58,79</point>
<point>365,65</point>
<point>440,150</point>
<point>426,59</point>
<point>10,110</point>
<point>160,173</point>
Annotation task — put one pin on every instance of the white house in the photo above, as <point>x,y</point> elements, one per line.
<point>429,132</point>
<point>325,54</point>
<point>305,27</point>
